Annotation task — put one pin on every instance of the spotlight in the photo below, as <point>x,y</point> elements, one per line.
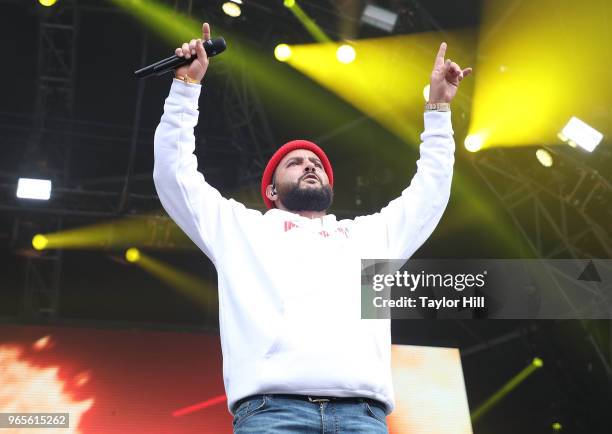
<point>132,254</point>
<point>474,142</point>
<point>39,241</point>
<point>544,157</point>
<point>557,426</point>
<point>47,2</point>
<point>289,3</point>
<point>380,18</point>
<point>282,52</point>
<point>426,93</point>
<point>537,362</point>
<point>28,188</point>
<point>345,53</point>
<point>232,9</point>
<point>579,133</point>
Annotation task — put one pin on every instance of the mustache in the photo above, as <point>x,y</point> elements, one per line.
<point>310,174</point>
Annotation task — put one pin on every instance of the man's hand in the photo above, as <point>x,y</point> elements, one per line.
<point>196,69</point>
<point>445,78</point>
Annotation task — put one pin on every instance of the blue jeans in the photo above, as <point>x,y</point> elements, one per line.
<point>291,414</point>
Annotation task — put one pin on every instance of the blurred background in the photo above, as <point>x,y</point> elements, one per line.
<point>85,243</point>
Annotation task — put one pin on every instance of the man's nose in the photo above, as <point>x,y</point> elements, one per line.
<point>309,167</point>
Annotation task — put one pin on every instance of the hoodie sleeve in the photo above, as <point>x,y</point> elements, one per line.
<point>409,220</point>
<point>196,207</point>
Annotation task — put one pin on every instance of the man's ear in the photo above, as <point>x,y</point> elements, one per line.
<point>271,192</point>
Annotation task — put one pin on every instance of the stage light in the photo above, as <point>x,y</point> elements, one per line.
<point>132,254</point>
<point>47,2</point>
<point>426,93</point>
<point>515,97</point>
<point>232,9</point>
<point>512,384</point>
<point>28,188</point>
<point>345,54</point>
<point>544,157</point>
<point>200,291</point>
<point>39,241</point>
<point>557,426</point>
<point>282,52</point>
<point>474,142</point>
<point>237,1</point>
<point>309,24</point>
<point>578,132</point>
<point>378,17</point>
<point>135,231</point>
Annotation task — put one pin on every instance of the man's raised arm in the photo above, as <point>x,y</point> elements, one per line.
<point>191,202</point>
<point>410,219</point>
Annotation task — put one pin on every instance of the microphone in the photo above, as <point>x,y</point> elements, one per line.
<point>211,46</point>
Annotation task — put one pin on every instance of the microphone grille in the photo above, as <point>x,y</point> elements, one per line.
<point>215,46</point>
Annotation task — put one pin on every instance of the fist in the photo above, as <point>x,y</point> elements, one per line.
<point>194,48</point>
<point>445,78</point>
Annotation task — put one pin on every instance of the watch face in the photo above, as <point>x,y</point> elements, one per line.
<point>441,107</point>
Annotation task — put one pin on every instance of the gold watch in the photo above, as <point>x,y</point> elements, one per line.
<point>437,107</point>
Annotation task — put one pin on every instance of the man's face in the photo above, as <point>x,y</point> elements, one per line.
<point>301,182</point>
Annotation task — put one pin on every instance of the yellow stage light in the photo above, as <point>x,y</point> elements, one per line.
<point>47,2</point>
<point>426,93</point>
<point>143,231</point>
<point>309,24</point>
<point>544,157</point>
<point>39,241</point>
<point>132,254</point>
<point>198,290</point>
<point>381,81</point>
<point>231,9</point>
<point>345,54</point>
<point>282,52</point>
<point>557,426</point>
<point>512,384</point>
<point>474,142</point>
<point>526,85</point>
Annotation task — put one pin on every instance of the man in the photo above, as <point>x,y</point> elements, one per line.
<point>297,358</point>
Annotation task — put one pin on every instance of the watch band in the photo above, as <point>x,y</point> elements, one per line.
<point>437,107</point>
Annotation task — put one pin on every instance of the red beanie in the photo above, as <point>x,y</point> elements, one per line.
<point>278,156</point>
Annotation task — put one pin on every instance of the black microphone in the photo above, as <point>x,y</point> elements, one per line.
<point>211,46</point>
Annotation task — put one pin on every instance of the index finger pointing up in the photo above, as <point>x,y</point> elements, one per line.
<point>205,31</point>
<point>440,55</point>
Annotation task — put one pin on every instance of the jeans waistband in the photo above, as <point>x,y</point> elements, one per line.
<point>315,398</point>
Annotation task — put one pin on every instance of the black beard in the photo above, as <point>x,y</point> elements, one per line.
<point>295,198</point>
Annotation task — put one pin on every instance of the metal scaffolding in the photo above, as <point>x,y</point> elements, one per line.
<point>49,154</point>
<point>562,212</point>
<point>250,133</point>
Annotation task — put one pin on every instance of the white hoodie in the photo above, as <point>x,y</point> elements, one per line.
<point>290,286</point>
